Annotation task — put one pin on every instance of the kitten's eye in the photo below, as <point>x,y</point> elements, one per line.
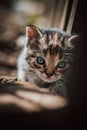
<point>61,64</point>
<point>40,60</point>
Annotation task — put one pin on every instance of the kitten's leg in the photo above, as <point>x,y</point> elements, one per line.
<point>58,89</point>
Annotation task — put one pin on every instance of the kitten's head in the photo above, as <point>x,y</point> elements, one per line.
<point>49,52</point>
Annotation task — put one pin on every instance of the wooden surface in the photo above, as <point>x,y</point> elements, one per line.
<point>17,95</point>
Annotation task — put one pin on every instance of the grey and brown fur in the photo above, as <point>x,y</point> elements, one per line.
<point>53,46</point>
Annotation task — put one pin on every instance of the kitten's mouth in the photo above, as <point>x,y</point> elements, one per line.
<point>47,79</point>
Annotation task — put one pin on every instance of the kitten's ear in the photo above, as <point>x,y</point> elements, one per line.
<point>33,32</point>
<point>73,39</point>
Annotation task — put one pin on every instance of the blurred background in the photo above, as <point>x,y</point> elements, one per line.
<point>68,15</point>
<point>16,14</point>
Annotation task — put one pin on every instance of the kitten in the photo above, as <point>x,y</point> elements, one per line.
<point>47,58</point>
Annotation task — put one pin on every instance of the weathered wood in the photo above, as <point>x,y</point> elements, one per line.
<point>27,97</point>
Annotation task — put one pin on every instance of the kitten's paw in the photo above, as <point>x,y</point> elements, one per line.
<point>6,79</point>
<point>58,90</point>
<point>19,79</point>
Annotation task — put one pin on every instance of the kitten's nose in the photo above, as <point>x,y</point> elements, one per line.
<point>49,74</point>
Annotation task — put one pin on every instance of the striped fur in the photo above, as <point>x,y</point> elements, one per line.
<point>53,46</point>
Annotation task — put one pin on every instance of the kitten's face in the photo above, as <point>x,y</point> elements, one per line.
<point>47,55</point>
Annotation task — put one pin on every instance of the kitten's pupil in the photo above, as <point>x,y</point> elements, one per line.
<point>61,64</point>
<point>40,60</point>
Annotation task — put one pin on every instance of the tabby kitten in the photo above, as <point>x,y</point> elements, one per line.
<point>47,58</point>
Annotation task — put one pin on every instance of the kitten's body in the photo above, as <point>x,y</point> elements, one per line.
<point>50,47</point>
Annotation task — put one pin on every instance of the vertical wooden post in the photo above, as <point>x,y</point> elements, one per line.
<point>72,15</point>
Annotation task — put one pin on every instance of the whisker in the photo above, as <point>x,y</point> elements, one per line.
<point>32,79</point>
<point>31,74</point>
<point>37,51</point>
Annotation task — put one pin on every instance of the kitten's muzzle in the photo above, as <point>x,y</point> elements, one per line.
<point>49,74</point>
